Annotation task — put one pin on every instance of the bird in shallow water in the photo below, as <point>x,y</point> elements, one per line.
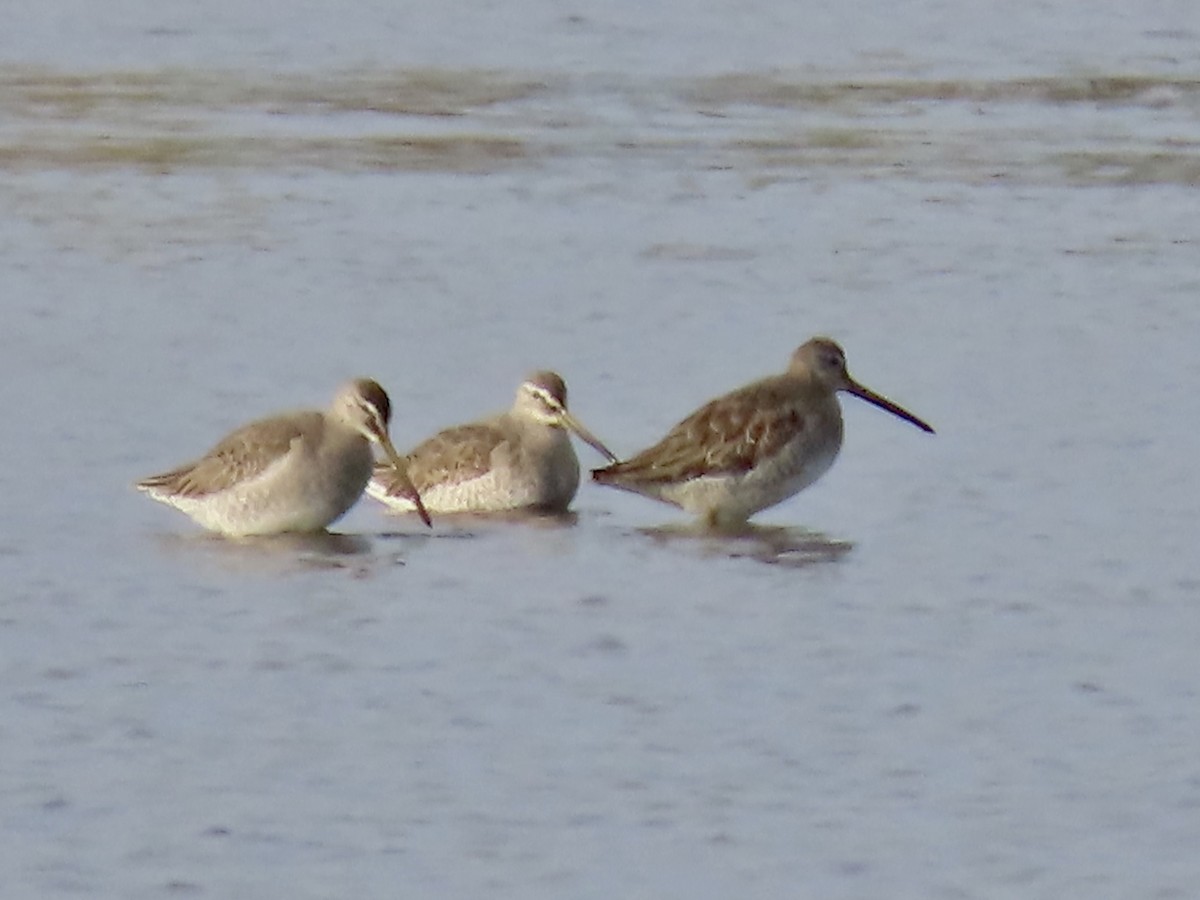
<point>295,472</point>
<point>520,459</point>
<point>754,447</point>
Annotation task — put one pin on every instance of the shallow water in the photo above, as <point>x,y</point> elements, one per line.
<point>958,666</point>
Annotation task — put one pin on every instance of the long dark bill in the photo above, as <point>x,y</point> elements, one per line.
<point>587,437</point>
<point>409,489</point>
<point>865,393</point>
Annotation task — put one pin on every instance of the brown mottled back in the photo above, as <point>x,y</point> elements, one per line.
<point>729,435</point>
<point>452,456</point>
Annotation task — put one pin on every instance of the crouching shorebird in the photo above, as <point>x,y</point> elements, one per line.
<point>296,472</point>
<point>753,447</point>
<point>521,459</point>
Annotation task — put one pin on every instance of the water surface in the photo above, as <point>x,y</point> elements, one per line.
<point>959,666</point>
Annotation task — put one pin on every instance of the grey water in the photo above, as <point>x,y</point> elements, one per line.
<point>959,666</point>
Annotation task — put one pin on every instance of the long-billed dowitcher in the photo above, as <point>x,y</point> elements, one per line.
<point>753,447</point>
<point>295,472</point>
<point>519,459</point>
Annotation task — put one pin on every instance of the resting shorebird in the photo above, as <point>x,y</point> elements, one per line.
<point>296,472</point>
<point>519,459</point>
<point>754,447</point>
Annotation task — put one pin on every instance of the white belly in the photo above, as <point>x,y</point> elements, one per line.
<point>734,498</point>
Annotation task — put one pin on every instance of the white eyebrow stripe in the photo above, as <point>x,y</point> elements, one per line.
<point>545,396</point>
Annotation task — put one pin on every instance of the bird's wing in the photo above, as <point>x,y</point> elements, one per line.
<point>730,434</point>
<point>241,456</point>
<point>450,457</point>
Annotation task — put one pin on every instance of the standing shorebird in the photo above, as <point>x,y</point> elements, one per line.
<point>516,460</point>
<point>296,472</point>
<point>753,447</point>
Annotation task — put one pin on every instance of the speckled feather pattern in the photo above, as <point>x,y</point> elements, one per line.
<point>519,459</point>
<point>740,453</point>
<point>755,446</point>
<point>727,436</point>
<point>491,466</point>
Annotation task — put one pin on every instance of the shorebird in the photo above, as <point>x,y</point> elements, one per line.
<point>295,472</point>
<point>753,447</point>
<point>521,459</point>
